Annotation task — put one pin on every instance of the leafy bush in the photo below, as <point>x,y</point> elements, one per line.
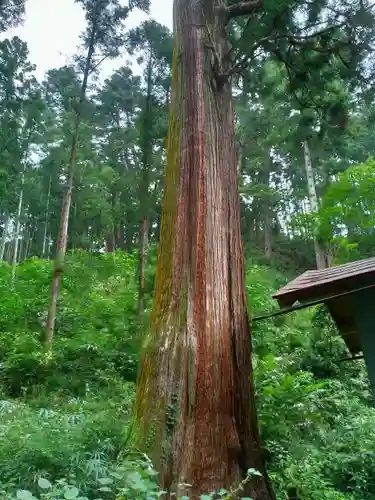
<point>97,334</point>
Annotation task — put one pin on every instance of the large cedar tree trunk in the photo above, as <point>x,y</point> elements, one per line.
<point>195,410</point>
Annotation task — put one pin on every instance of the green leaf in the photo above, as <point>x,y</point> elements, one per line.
<point>24,495</point>
<point>71,492</point>
<point>44,483</point>
<point>253,472</point>
<point>105,480</point>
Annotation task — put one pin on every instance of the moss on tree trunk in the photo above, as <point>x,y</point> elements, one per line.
<point>195,410</point>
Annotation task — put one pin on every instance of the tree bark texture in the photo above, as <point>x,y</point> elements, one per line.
<point>195,410</point>
<point>320,255</point>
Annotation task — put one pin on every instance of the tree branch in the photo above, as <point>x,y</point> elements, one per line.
<point>243,8</point>
<point>98,63</point>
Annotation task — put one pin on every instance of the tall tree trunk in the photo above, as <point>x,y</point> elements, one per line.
<point>29,241</point>
<point>143,236</point>
<point>144,186</point>
<point>110,242</point>
<point>267,220</point>
<point>267,233</point>
<point>195,409</point>
<point>251,227</point>
<point>122,225</point>
<point>9,251</point>
<point>320,256</point>
<point>257,214</point>
<point>4,236</point>
<point>62,236</point>
<point>46,218</point>
<point>23,247</point>
<point>17,229</point>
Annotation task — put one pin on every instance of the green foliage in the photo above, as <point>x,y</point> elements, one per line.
<point>82,438</point>
<point>64,417</point>
<point>97,329</point>
<point>315,412</point>
<point>347,214</point>
<point>11,13</point>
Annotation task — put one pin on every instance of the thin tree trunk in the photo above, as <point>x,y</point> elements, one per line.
<point>26,246</point>
<point>267,234</point>
<point>251,227</point>
<point>257,213</point>
<point>110,242</point>
<point>49,245</point>
<point>321,261</point>
<point>61,242</point>
<point>46,218</point>
<point>267,209</point>
<point>4,236</point>
<point>17,229</point>
<point>21,246</point>
<point>144,186</point>
<point>195,409</point>
<point>9,251</point>
<point>29,243</point>
<point>143,233</point>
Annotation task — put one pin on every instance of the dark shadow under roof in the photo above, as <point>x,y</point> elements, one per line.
<point>333,286</point>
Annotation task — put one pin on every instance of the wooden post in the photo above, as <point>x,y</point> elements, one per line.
<point>363,306</point>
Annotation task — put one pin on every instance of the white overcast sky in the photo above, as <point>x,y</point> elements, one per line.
<point>52,28</point>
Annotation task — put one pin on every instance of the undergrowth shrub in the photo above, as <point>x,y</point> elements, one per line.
<point>64,417</point>
<point>97,334</point>
<point>69,437</point>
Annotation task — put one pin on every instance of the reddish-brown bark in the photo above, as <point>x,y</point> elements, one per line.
<point>195,410</point>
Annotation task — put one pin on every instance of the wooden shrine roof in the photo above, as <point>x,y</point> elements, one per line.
<point>334,287</point>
